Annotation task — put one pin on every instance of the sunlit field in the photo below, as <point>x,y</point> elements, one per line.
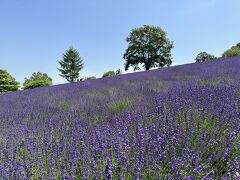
<point>181,122</point>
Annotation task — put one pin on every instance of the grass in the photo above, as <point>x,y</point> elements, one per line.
<point>117,107</point>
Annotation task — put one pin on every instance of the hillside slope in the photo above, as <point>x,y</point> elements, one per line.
<point>180,122</point>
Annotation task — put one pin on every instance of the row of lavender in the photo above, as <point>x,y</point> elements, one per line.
<point>175,123</point>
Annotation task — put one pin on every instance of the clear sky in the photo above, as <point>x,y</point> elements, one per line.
<point>35,33</point>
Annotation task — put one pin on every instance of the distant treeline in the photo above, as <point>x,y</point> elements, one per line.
<point>148,46</point>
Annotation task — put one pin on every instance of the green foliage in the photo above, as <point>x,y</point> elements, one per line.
<point>35,172</point>
<point>112,73</point>
<point>64,105</point>
<point>89,78</point>
<point>233,51</point>
<point>109,73</point>
<point>207,124</point>
<point>148,45</point>
<point>106,92</point>
<point>204,56</point>
<point>158,86</point>
<point>37,79</point>
<point>217,81</point>
<point>71,64</point>
<point>96,94</point>
<point>119,106</point>
<point>7,82</point>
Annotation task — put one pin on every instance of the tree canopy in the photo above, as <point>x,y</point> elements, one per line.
<point>233,51</point>
<point>204,56</point>
<point>37,79</point>
<point>70,65</point>
<point>90,78</point>
<point>7,82</point>
<point>109,73</point>
<point>149,46</point>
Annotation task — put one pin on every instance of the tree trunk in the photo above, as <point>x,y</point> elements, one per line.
<point>147,67</point>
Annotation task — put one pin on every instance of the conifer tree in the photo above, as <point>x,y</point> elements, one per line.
<point>71,64</point>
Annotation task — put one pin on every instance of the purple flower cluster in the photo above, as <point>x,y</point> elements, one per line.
<point>181,122</point>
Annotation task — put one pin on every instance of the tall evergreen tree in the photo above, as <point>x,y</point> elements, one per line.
<point>71,64</point>
<point>7,82</point>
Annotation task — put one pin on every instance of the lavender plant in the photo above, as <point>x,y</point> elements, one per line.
<point>175,123</point>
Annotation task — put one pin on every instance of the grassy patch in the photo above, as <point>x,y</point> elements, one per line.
<point>109,91</point>
<point>96,94</point>
<point>159,86</point>
<point>184,76</point>
<point>63,105</point>
<point>216,81</point>
<point>120,105</point>
<point>237,90</point>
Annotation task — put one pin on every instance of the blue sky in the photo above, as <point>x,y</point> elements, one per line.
<point>35,34</point>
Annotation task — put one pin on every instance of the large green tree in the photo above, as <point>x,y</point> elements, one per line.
<point>37,79</point>
<point>71,64</point>
<point>149,46</point>
<point>233,51</point>
<point>7,82</point>
<point>204,56</point>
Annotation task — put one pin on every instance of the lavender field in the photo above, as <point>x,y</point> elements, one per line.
<point>181,122</point>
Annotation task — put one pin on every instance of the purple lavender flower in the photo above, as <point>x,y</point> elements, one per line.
<point>108,169</point>
<point>178,120</point>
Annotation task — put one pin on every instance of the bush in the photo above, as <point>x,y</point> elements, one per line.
<point>109,73</point>
<point>90,78</point>
<point>37,80</point>
<point>233,51</point>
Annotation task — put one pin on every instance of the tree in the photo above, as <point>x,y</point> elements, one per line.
<point>109,73</point>
<point>204,56</point>
<point>7,82</point>
<point>149,46</point>
<point>233,51</point>
<point>37,79</point>
<point>90,78</point>
<point>71,64</point>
